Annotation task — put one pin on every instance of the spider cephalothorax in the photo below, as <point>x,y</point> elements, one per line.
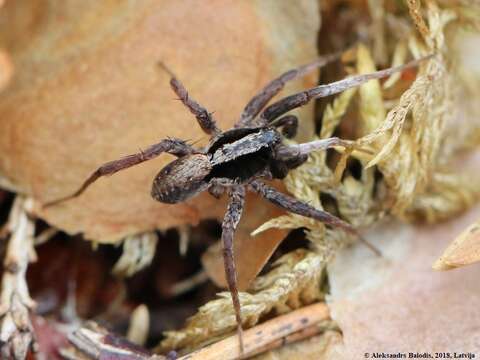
<point>238,159</point>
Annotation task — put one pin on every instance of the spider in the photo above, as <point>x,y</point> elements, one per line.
<point>238,159</point>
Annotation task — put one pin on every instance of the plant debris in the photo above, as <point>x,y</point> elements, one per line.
<point>291,327</point>
<point>407,162</point>
<point>293,282</point>
<point>464,250</point>
<point>16,332</point>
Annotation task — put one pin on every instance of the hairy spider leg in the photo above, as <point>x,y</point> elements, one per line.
<point>294,101</point>
<point>204,118</point>
<point>299,207</point>
<point>258,102</point>
<point>289,157</point>
<point>289,152</point>
<point>175,147</point>
<point>232,217</point>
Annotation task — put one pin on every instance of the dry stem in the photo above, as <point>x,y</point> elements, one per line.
<point>290,327</point>
<point>16,332</point>
<point>94,342</point>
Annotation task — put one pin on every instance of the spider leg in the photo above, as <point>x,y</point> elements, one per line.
<point>204,118</point>
<point>290,152</point>
<point>230,222</point>
<point>217,186</point>
<point>299,99</point>
<point>216,190</point>
<point>259,101</point>
<point>173,146</point>
<point>287,157</point>
<point>289,125</point>
<point>298,207</point>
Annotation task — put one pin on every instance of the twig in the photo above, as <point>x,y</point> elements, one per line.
<point>45,236</point>
<point>297,336</point>
<point>94,342</point>
<point>290,327</point>
<point>16,332</point>
<point>189,283</point>
<point>183,238</point>
<point>139,325</point>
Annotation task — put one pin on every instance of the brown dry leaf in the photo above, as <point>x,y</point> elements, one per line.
<point>398,303</point>
<point>251,254</point>
<point>6,69</point>
<point>464,250</point>
<point>315,348</point>
<point>6,66</point>
<point>89,91</point>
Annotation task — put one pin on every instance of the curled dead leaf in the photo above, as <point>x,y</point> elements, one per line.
<point>464,250</point>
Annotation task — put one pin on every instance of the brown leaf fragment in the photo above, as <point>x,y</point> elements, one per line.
<point>398,303</point>
<point>319,347</point>
<point>464,250</point>
<point>6,65</point>
<point>6,69</point>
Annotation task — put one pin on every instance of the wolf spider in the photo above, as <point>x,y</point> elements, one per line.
<point>237,159</point>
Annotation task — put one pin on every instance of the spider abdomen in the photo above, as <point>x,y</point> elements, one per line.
<point>182,179</point>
